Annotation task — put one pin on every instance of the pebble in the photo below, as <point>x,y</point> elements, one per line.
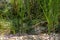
<point>31,37</point>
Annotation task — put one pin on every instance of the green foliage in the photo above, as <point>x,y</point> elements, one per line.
<point>5,26</point>
<point>23,14</point>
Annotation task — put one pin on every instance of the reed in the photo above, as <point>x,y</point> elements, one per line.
<point>50,9</point>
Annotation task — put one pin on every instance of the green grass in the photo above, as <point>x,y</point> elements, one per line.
<point>26,13</point>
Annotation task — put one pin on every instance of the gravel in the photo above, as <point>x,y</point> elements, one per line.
<point>32,37</point>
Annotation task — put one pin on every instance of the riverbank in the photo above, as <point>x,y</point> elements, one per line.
<point>32,37</point>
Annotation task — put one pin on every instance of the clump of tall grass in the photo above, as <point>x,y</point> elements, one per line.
<point>50,9</point>
<point>26,13</point>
